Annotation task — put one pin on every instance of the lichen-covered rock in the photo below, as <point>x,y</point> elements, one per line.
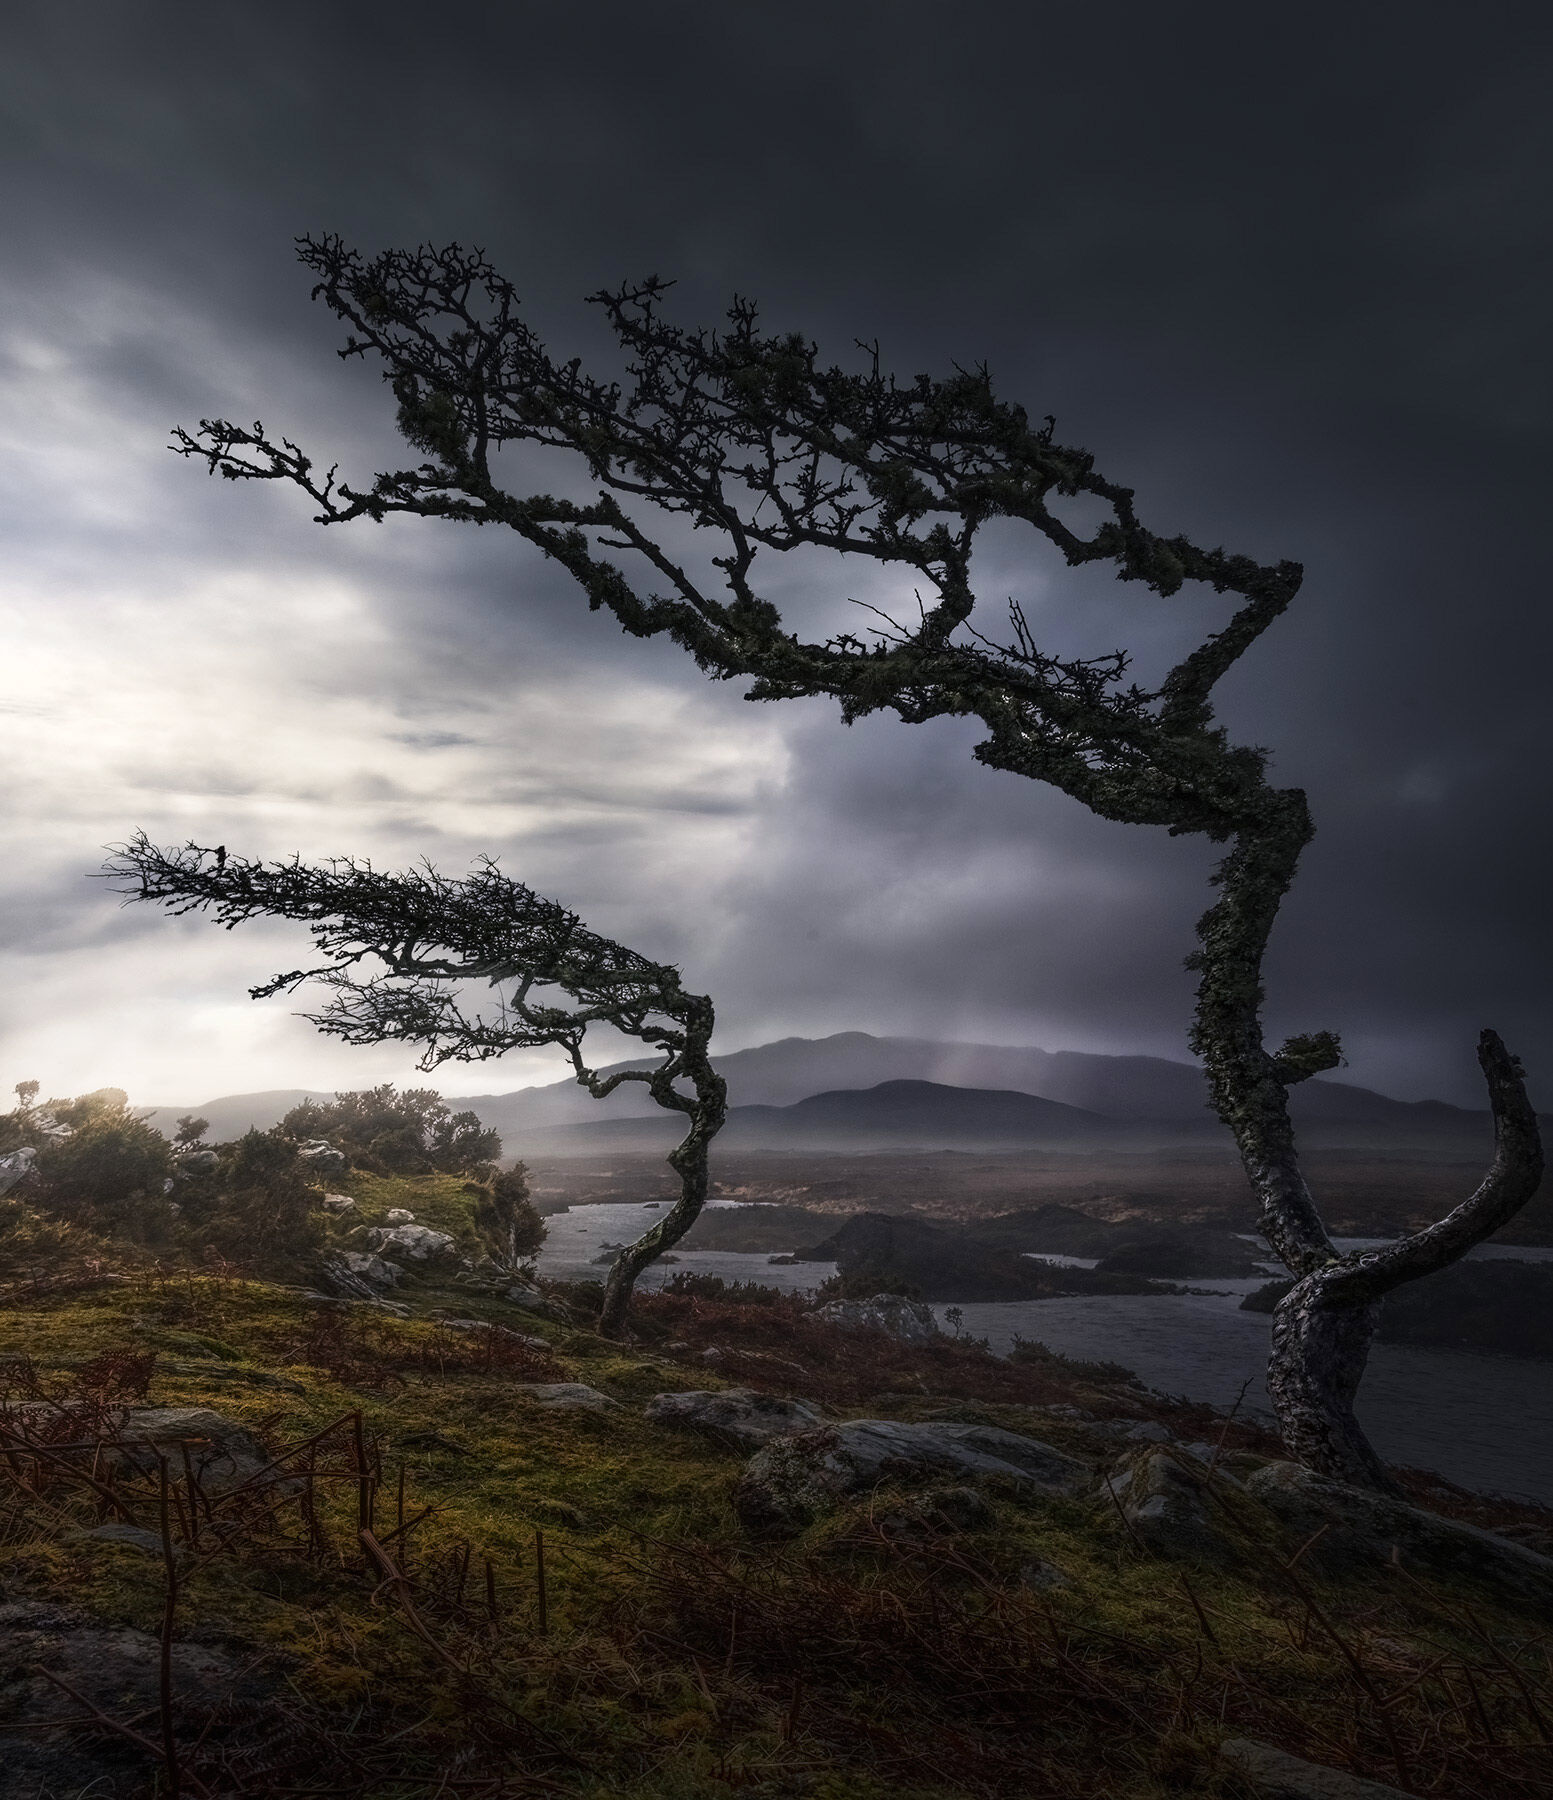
<point>1359,1526</point>
<point>359,1274</point>
<point>399,1215</point>
<point>799,1475</point>
<point>737,1417</point>
<point>339,1203</point>
<point>1163,1499</point>
<point>564,1396</point>
<point>15,1167</point>
<point>223,1453</point>
<point>417,1242</point>
<point>911,1321</point>
<point>1276,1775</point>
<point>319,1157</point>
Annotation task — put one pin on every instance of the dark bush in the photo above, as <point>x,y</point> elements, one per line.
<point>255,1208</point>
<point>108,1173</point>
<point>732,1293</point>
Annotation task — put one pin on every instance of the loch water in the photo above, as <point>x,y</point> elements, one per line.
<point>1483,1421</point>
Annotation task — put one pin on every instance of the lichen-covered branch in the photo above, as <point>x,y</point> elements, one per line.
<point>419,936</point>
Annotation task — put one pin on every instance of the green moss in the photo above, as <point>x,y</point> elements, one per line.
<point>683,1658</point>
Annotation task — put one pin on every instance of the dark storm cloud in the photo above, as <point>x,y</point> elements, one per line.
<point>1284,272</point>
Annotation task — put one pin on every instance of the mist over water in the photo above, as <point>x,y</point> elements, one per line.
<point>1485,1422</point>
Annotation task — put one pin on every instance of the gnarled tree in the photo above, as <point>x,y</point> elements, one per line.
<point>751,438</point>
<point>424,937</point>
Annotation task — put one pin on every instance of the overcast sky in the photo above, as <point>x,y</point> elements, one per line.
<point>1284,270</point>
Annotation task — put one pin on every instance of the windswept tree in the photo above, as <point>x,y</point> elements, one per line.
<point>400,952</point>
<point>749,441</point>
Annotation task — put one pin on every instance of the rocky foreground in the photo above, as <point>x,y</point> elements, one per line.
<point>445,1539</point>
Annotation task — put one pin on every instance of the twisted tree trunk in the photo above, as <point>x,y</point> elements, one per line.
<point>689,1160</point>
<point>1323,1328</point>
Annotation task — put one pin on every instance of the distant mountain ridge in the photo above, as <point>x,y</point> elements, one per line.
<point>1123,1093</point>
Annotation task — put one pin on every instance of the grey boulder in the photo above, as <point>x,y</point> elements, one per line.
<point>740,1418</point>
<point>1276,1775</point>
<point>16,1167</point>
<point>911,1321</point>
<point>418,1242</point>
<point>1363,1527</point>
<point>222,1453</point>
<point>1164,1501</point>
<point>797,1476</point>
<point>339,1203</point>
<point>319,1157</point>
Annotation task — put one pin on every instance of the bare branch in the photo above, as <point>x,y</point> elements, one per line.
<point>429,932</point>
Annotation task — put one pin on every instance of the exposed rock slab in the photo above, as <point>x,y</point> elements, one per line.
<point>564,1396</point>
<point>796,1477</point>
<point>1358,1526</point>
<point>1276,1775</point>
<point>740,1418</point>
<point>359,1274</point>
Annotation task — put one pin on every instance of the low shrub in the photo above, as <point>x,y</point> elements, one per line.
<point>387,1132</point>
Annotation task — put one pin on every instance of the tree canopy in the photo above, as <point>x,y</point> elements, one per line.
<point>755,440</point>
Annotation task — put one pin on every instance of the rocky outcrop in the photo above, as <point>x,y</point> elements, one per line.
<point>1276,1775</point>
<point>911,1321</point>
<point>360,1275</point>
<point>1357,1526</point>
<point>419,1243</point>
<point>319,1157</point>
<point>798,1476</point>
<point>1163,1499</point>
<point>15,1167</point>
<point>739,1418</point>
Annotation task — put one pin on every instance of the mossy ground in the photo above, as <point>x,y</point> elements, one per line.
<point>874,1656</point>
